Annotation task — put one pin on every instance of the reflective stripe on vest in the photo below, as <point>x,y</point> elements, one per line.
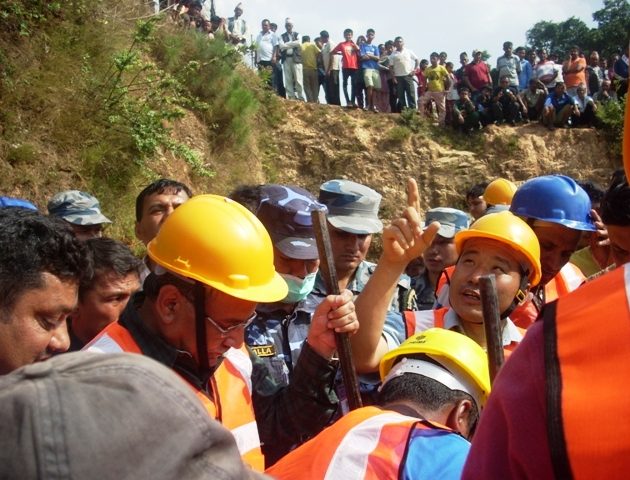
<point>568,279</point>
<point>368,443</point>
<point>231,387</point>
<point>587,360</point>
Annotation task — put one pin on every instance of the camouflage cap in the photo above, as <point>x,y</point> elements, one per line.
<point>285,212</point>
<point>352,207</point>
<point>77,207</point>
<point>451,220</point>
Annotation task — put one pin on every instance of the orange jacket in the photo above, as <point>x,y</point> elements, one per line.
<point>587,360</point>
<point>368,443</point>
<point>231,387</point>
<point>412,326</point>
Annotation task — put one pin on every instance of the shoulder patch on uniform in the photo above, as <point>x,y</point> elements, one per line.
<point>264,350</point>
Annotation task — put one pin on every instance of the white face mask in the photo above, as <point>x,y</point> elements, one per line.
<point>299,288</point>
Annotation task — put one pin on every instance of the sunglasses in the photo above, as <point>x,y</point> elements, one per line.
<point>225,331</point>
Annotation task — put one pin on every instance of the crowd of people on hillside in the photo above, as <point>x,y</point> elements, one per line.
<point>527,85</point>
<point>229,296</point>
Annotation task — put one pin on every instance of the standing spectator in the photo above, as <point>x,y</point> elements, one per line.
<point>532,58</point>
<point>292,61</point>
<point>460,72</point>
<point>595,75</point>
<point>359,83</point>
<point>404,63</point>
<point>509,65</point>
<point>310,52</point>
<point>266,51</point>
<point>369,66</point>
<point>237,26</point>
<point>349,52</point>
<point>437,83</point>
<point>422,79</point>
<point>526,70</point>
<point>331,69</point>
<point>451,96</point>
<point>620,68</point>
<point>81,211</point>
<point>606,93</point>
<point>586,108</point>
<point>547,71</point>
<point>574,71</point>
<point>534,99</point>
<point>477,75</point>
<point>278,76</point>
<point>559,107</point>
<point>381,97</point>
<point>443,57</point>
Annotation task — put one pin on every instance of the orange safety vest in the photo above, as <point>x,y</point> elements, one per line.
<point>568,279</point>
<point>231,387</point>
<point>412,327</point>
<point>587,361</point>
<point>368,443</point>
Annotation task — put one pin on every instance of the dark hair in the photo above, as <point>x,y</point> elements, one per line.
<point>154,283</point>
<point>370,30</point>
<point>249,196</point>
<point>108,255</point>
<point>448,63</point>
<point>434,54</point>
<point>389,43</point>
<point>31,244</point>
<point>508,44</point>
<point>520,49</point>
<point>398,38</point>
<point>272,25</point>
<point>347,30</point>
<point>306,38</point>
<point>615,207</point>
<point>594,191</point>
<point>265,20</point>
<point>324,33</point>
<point>476,190</point>
<point>159,187</point>
<point>425,392</point>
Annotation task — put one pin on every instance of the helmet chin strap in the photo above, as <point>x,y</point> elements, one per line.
<point>200,329</point>
<point>519,297</point>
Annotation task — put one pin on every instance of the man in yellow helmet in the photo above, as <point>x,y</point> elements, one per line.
<point>214,263</point>
<point>434,386</point>
<point>499,244</point>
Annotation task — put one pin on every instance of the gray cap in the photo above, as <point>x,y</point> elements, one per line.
<point>285,212</point>
<point>90,415</point>
<point>451,220</point>
<point>352,207</point>
<point>79,208</point>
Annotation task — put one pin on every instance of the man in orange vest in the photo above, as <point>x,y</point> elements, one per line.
<point>434,386</point>
<point>498,243</point>
<point>572,367</point>
<point>214,263</point>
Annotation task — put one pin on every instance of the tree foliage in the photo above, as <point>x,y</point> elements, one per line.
<point>610,35</point>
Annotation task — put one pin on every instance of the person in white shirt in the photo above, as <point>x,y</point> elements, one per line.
<point>403,62</point>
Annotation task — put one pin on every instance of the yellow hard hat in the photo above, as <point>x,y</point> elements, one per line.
<point>220,243</point>
<point>507,228</point>
<point>499,192</point>
<point>465,362</point>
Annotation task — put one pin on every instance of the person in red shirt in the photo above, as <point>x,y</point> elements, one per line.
<point>477,75</point>
<point>349,52</point>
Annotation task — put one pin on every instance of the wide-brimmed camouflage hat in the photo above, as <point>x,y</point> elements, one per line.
<point>352,207</point>
<point>79,208</point>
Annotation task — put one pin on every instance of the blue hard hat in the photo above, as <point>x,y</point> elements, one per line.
<point>555,199</point>
<point>16,202</point>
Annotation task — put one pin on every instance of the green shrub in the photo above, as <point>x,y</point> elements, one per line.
<point>610,117</point>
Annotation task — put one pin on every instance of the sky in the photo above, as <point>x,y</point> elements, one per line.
<point>463,26</point>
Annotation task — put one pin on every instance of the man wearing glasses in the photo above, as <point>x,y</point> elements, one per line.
<point>214,264</point>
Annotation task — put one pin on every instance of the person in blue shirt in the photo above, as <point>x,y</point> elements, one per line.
<point>369,56</point>
<point>559,107</point>
<point>525,74</point>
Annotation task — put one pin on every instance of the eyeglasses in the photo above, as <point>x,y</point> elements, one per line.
<point>225,331</point>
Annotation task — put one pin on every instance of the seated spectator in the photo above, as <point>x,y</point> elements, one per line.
<point>41,266</point>
<point>585,116</point>
<point>506,104</point>
<point>606,93</point>
<point>218,28</point>
<point>475,201</point>
<point>104,294</point>
<point>534,99</point>
<point>81,211</point>
<point>109,417</point>
<point>484,106</point>
<point>559,106</point>
<point>465,114</point>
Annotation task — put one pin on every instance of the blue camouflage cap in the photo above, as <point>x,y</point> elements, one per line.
<point>78,208</point>
<point>352,207</point>
<point>451,220</point>
<point>285,212</point>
